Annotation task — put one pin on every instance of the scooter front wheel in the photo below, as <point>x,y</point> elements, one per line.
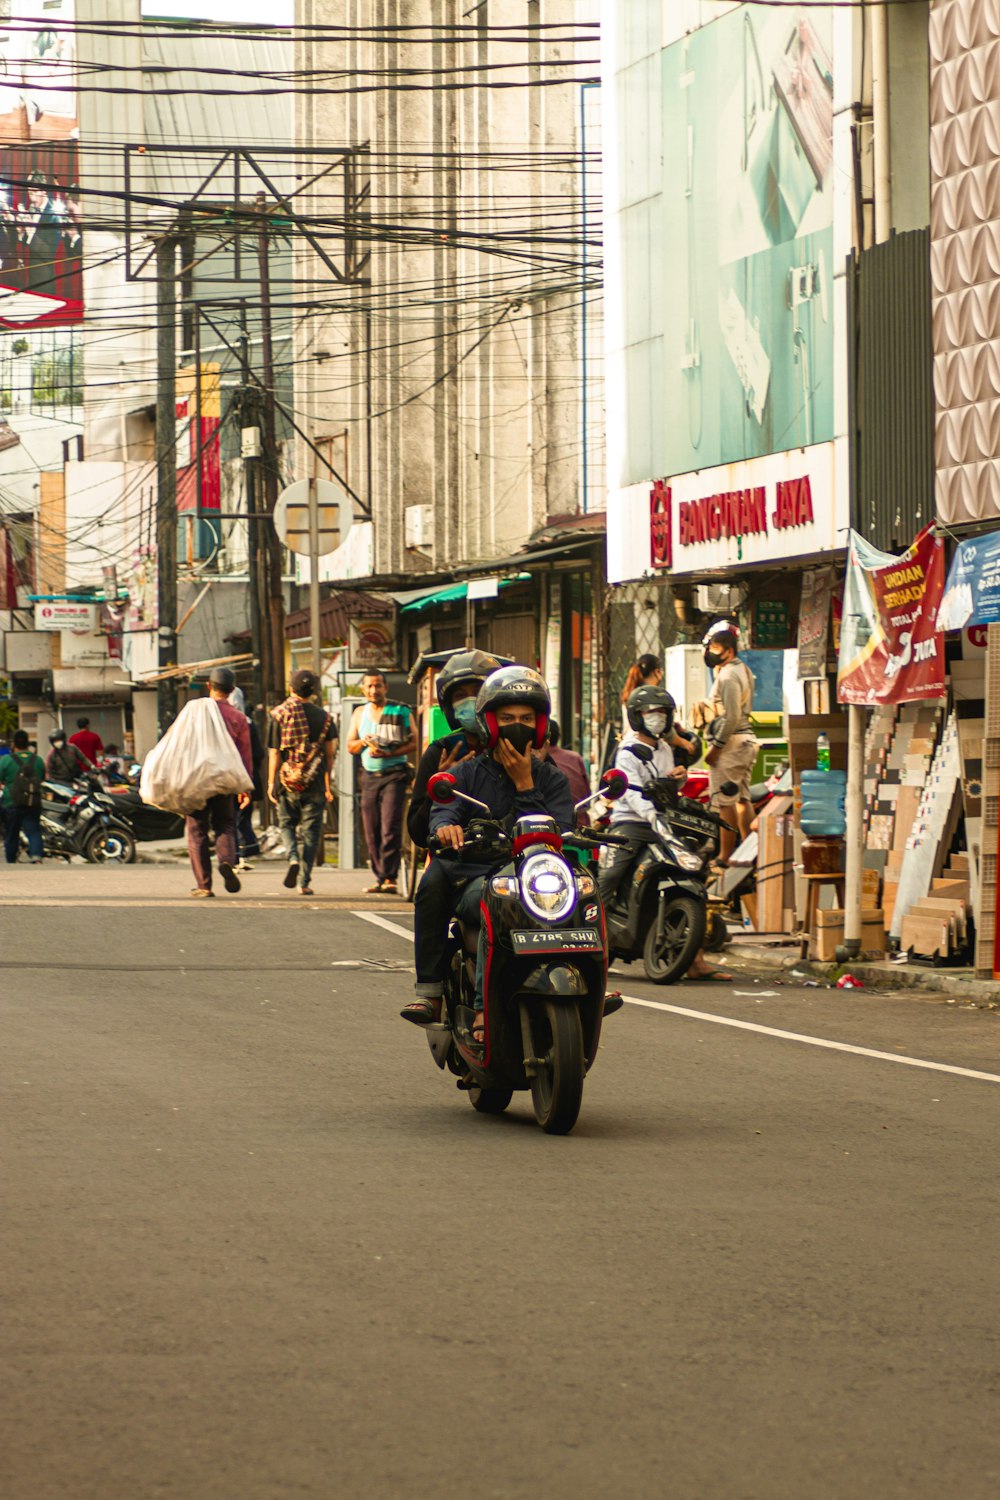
<point>557,1087</point>
<point>672,943</point>
<point>110,846</point>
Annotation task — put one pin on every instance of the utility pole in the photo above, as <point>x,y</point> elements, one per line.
<point>256,556</point>
<point>166,475</point>
<point>274,682</point>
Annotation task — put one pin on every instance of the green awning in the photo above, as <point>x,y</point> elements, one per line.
<point>451,594</point>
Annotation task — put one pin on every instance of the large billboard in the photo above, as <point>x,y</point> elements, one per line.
<point>41,219</point>
<point>747,245</point>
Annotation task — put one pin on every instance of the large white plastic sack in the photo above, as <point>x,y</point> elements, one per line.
<point>196,759</point>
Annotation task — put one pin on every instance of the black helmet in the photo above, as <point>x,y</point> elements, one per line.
<point>57,736</point>
<point>464,666</point>
<point>647,700</point>
<point>512,685</point>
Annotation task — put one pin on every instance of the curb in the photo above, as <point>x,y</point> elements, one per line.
<point>956,986</point>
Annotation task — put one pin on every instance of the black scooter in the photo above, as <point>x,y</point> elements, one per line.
<point>660,911</point>
<point>544,993</point>
<point>74,821</point>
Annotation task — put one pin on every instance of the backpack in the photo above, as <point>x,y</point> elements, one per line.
<point>300,770</point>
<point>26,788</point>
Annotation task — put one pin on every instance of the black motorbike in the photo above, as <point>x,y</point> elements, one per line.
<point>544,992</point>
<point>660,911</point>
<point>144,822</point>
<point>74,820</point>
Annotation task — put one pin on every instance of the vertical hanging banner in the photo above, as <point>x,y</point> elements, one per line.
<point>891,650</point>
<point>814,622</point>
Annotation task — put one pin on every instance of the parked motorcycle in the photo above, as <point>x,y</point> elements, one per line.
<point>660,911</point>
<point>544,996</point>
<point>143,821</point>
<point>74,820</point>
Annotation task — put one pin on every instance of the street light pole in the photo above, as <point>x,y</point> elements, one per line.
<point>317,663</point>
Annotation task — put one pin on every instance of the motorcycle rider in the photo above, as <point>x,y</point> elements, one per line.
<point>65,761</point>
<point>457,684</point>
<point>512,715</point>
<point>651,721</point>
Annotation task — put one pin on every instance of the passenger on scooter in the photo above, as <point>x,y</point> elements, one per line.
<point>512,713</point>
<point>457,684</point>
<point>633,816</point>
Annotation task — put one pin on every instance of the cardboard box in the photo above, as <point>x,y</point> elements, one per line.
<point>775,886</point>
<point>828,934</point>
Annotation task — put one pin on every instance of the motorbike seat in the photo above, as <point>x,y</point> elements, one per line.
<point>759,792</point>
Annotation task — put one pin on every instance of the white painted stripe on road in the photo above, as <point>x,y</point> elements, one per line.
<point>813,1041</point>
<point>377,921</point>
<point>783,1036</point>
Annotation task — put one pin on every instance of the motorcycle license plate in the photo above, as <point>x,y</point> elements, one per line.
<point>568,940</point>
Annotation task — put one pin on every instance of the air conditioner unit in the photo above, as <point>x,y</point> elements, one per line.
<point>418,526</point>
<point>717,598</point>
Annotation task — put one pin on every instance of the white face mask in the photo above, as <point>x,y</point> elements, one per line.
<point>655,724</point>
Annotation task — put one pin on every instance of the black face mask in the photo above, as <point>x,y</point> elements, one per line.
<point>518,736</point>
<point>712,658</point>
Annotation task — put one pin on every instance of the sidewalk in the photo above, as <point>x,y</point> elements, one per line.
<point>959,986</point>
<point>168,882</point>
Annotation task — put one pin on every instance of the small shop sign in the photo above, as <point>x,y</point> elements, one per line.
<point>64,614</point>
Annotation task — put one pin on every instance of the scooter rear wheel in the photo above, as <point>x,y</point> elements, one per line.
<point>490,1101</point>
<point>557,1087</point>
<point>666,960</point>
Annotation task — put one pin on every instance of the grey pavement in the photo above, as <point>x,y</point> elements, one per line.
<point>256,1246</point>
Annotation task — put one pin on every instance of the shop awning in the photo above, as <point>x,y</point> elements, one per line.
<point>452,594</point>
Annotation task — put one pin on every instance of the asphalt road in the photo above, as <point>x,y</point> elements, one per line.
<point>254,1245</point>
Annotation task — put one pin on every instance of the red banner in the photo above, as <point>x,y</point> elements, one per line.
<point>890,648</point>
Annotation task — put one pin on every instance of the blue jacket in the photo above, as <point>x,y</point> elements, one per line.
<point>484,779</point>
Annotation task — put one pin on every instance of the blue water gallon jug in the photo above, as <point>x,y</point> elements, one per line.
<point>823,796</point>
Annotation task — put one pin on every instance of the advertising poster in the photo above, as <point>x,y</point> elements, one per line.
<point>41,214</point>
<point>748,249</point>
<point>891,650</point>
<point>972,593</point>
<point>814,622</point>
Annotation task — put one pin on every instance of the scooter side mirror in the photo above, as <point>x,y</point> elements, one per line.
<point>614,784</point>
<point>441,788</point>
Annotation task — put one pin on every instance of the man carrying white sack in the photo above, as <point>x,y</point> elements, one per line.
<point>219,812</point>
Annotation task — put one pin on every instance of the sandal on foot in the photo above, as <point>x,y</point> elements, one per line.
<point>479,1030</point>
<point>291,875</point>
<point>374,890</point>
<point>422,1012</point>
<point>389,888</point>
<point>719,974</point>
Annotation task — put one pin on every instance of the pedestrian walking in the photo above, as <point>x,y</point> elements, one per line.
<point>21,775</point>
<point>383,735</point>
<point>90,743</point>
<point>219,812</point>
<point>247,843</point>
<point>65,762</point>
<point>301,741</point>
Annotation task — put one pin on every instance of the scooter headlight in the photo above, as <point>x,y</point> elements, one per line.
<point>547,887</point>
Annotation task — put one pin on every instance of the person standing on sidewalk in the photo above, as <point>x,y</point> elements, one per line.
<point>301,742</point>
<point>219,812</point>
<point>21,776</point>
<point>734,747</point>
<point>383,735</point>
<point>90,743</point>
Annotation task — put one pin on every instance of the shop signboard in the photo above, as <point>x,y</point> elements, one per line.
<point>891,650</point>
<point>781,506</point>
<point>372,644</point>
<point>64,614</point>
<point>972,592</point>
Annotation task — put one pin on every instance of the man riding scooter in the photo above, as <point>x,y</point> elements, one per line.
<point>458,683</point>
<point>650,713</point>
<point>512,714</point>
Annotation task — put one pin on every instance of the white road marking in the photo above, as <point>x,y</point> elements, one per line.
<point>377,921</point>
<point>783,1036</point>
<point>813,1041</point>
